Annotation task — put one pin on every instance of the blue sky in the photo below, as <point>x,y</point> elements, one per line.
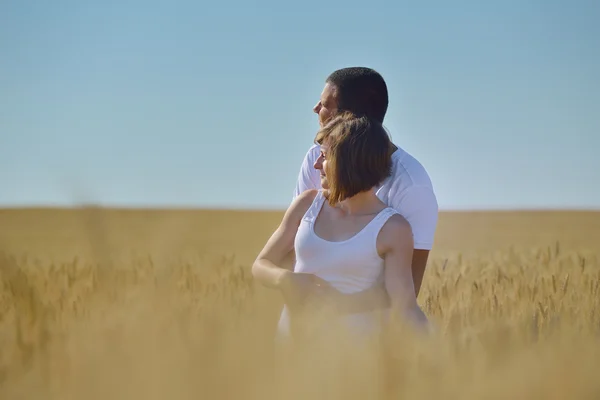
<point>181,103</point>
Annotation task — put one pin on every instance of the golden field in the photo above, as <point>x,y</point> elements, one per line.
<point>151,304</point>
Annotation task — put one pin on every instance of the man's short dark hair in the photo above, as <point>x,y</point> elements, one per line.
<point>360,90</point>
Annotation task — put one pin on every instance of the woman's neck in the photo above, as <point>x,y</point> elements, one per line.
<point>363,203</point>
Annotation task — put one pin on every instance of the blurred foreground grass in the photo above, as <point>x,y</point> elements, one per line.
<point>96,306</point>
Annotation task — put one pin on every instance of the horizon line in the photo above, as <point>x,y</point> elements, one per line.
<point>165,207</point>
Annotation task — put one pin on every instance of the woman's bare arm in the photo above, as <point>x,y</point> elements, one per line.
<point>396,243</point>
<point>267,267</point>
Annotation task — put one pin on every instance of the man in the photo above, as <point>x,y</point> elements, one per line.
<point>409,189</point>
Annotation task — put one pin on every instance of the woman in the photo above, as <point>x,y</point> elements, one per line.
<point>345,239</point>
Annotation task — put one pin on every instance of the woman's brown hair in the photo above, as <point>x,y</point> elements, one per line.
<point>358,157</point>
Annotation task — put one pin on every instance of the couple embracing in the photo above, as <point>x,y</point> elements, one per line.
<point>362,221</point>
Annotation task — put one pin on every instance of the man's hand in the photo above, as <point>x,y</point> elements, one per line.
<point>419,263</point>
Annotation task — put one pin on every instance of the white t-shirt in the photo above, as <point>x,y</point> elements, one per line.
<point>408,190</point>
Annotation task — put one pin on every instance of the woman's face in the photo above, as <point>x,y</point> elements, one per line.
<point>321,164</point>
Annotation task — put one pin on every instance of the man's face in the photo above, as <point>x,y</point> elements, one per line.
<point>321,165</point>
<point>327,105</point>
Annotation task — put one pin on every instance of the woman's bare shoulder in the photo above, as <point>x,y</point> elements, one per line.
<point>395,233</point>
<point>308,195</point>
<point>301,203</point>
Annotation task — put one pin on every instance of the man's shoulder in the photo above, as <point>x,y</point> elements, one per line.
<point>407,172</point>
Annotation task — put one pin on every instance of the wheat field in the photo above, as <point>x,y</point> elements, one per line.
<point>157,304</point>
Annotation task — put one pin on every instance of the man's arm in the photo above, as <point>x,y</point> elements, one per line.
<point>419,206</point>
<point>419,263</point>
<point>308,177</point>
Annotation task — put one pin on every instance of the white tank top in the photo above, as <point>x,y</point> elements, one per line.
<point>350,266</point>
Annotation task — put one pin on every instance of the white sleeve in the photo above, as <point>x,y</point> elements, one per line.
<point>420,208</point>
<point>308,178</point>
